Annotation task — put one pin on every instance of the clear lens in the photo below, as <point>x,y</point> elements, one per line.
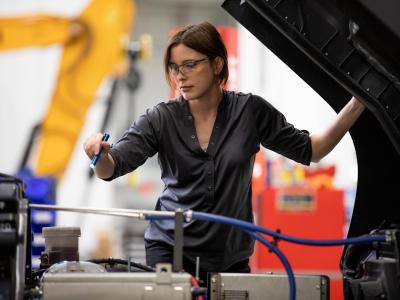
<point>184,68</point>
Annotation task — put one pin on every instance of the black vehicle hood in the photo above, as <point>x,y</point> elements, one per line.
<point>343,48</point>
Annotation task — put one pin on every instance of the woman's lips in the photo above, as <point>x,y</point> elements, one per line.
<point>185,88</point>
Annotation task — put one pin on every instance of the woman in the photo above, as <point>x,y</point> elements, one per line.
<point>206,141</point>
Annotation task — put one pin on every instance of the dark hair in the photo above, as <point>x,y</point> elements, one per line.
<point>203,38</point>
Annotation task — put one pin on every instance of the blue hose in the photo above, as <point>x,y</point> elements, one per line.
<point>252,230</point>
<point>255,235</point>
<point>283,259</point>
<point>252,227</point>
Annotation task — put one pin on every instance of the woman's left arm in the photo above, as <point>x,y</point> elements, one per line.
<point>323,143</point>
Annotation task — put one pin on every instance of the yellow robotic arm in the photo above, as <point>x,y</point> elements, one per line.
<point>93,49</point>
<point>31,31</point>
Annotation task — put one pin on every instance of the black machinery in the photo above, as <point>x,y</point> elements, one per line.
<point>15,254</point>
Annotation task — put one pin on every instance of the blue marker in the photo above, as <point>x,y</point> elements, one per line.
<point>97,156</point>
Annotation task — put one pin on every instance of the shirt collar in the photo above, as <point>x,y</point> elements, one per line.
<point>183,103</point>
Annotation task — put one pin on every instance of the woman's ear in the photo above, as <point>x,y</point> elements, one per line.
<point>218,65</point>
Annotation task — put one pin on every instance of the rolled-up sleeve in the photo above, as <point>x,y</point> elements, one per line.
<point>276,134</point>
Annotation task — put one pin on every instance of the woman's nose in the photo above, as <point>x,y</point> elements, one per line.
<point>180,76</point>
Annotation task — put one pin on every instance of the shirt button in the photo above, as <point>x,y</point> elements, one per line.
<point>193,137</point>
<point>190,117</point>
<point>209,173</point>
<point>212,143</point>
<point>216,127</point>
<point>210,188</point>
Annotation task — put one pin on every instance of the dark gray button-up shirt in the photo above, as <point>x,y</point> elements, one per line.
<point>215,181</point>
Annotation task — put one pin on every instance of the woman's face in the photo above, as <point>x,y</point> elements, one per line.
<point>193,73</point>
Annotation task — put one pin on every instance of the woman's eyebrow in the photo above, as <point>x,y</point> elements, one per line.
<point>184,61</point>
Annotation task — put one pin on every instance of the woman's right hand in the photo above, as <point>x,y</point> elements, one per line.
<point>93,143</point>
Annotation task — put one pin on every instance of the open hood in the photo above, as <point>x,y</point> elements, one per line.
<point>343,48</point>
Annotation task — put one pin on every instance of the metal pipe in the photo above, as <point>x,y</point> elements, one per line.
<point>122,212</point>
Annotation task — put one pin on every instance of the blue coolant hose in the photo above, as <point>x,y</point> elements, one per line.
<point>252,227</point>
<point>282,258</point>
<point>253,230</point>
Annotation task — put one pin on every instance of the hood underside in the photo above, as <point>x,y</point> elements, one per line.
<point>343,48</point>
